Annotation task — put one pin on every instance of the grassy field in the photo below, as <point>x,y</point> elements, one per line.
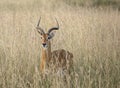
<point>92,35</point>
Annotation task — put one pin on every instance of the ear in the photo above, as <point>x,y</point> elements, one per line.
<point>51,35</point>
<point>40,30</point>
<point>41,33</point>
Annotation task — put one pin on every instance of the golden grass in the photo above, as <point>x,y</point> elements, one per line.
<point>93,36</point>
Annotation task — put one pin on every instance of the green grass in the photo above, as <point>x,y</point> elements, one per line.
<point>95,3</point>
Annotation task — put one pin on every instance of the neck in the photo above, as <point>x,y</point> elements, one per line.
<point>45,57</point>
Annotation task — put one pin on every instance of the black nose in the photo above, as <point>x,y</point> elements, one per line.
<point>44,44</point>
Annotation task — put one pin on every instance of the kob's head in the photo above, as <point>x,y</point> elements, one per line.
<point>46,36</point>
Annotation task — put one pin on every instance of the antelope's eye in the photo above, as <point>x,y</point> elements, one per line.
<point>41,37</point>
<point>49,37</point>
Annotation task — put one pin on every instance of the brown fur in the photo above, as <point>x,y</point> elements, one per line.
<point>53,60</point>
<point>58,58</point>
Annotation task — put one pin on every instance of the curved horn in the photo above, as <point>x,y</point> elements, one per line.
<point>54,28</point>
<point>39,29</point>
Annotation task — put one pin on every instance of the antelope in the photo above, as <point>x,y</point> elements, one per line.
<point>58,58</point>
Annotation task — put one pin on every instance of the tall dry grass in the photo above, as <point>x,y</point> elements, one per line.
<point>93,36</point>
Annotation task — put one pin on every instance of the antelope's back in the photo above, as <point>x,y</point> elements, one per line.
<point>62,58</point>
